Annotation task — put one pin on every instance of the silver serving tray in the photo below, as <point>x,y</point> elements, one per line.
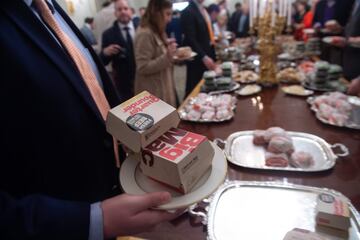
<point>241,151</point>
<point>267,211</point>
<point>354,119</point>
<point>183,113</point>
<point>233,88</point>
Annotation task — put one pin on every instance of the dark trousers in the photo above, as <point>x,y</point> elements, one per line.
<point>351,62</point>
<point>195,71</point>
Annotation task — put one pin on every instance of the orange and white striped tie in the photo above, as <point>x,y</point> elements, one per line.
<point>209,25</point>
<point>81,63</point>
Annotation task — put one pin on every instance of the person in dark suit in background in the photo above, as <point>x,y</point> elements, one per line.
<point>351,55</point>
<point>338,10</point>
<point>240,21</point>
<point>173,29</point>
<point>350,43</point>
<point>234,15</point>
<point>87,31</point>
<point>57,159</point>
<point>118,48</point>
<point>198,34</point>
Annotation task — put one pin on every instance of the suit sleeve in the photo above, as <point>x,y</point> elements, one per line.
<point>145,64</point>
<point>105,43</point>
<point>40,217</point>
<point>187,25</point>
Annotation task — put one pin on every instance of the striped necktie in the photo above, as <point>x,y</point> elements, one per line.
<point>80,61</point>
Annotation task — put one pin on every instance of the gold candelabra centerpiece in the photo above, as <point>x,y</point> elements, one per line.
<point>268,20</point>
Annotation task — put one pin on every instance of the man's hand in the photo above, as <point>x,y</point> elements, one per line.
<point>338,41</point>
<point>333,26</point>
<point>111,50</point>
<point>129,214</point>
<point>354,87</point>
<point>209,63</point>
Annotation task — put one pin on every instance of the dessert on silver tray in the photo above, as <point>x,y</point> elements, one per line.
<point>276,149</point>
<point>337,109</point>
<point>209,108</point>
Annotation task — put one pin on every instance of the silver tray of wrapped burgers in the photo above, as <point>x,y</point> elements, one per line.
<point>269,210</point>
<point>205,108</point>
<point>337,109</point>
<point>276,149</point>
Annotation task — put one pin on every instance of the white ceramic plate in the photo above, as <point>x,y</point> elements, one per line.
<point>249,90</point>
<point>134,182</point>
<point>297,90</point>
<point>193,54</point>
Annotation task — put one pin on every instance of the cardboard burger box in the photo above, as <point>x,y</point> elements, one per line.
<point>141,120</point>
<point>177,159</point>
<point>332,211</point>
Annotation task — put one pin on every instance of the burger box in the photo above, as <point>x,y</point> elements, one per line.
<point>302,234</point>
<point>332,211</point>
<point>141,120</point>
<point>177,159</point>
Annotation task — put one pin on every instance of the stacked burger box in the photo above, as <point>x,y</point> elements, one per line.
<point>148,126</point>
<point>333,212</point>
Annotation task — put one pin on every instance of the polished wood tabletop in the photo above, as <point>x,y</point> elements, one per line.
<point>273,108</point>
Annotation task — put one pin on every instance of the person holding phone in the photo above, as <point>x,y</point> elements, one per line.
<point>117,48</point>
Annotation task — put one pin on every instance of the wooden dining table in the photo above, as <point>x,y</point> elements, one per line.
<point>270,108</point>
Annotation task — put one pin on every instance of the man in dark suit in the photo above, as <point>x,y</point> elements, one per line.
<point>239,22</point>
<point>57,160</point>
<point>351,54</point>
<point>198,34</point>
<point>338,10</point>
<point>350,43</point>
<point>117,48</point>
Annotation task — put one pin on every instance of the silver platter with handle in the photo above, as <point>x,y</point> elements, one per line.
<point>241,151</point>
<point>354,118</point>
<point>267,211</point>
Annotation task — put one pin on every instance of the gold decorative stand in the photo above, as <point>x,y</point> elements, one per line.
<point>268,27</point>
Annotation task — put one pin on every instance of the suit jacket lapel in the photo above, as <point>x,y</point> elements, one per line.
<point>22,16</point>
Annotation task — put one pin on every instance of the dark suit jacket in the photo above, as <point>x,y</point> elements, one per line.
<point>351,55</point>
<point>56,156</point>
<point>124,66</point>
<point>196,36</point>
<point>342,11</point>
<point>234,25</point>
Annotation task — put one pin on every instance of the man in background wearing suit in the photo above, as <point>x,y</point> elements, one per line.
<point>338,10</point>
<point>199,35</point>
<point>58,177</point>
<point>351,56</point>
<point>350,43</point>
<point>239,22</point>
<point>118,48</point>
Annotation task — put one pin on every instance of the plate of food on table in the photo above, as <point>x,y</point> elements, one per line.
<point>207,108</point>
<point>326,78</point>
<point>337,109</point>
<point>290,75</point>
<point>277,149</point>
<point>297,90</point>
<point>246,76</point>
<point>220,81</point>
